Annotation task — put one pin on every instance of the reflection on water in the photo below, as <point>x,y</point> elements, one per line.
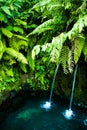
<point>32,117</point>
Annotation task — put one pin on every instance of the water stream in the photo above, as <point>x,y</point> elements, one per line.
<point>69,113</point>
<point>53,82</point>
<point>73,86</point>
<point>47,105</point>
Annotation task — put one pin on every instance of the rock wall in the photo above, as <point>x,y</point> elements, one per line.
<point>63,85</point>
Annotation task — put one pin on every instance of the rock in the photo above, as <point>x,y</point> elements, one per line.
<point>63,85</point>
<point>12,94</point>
<point>4,95</point>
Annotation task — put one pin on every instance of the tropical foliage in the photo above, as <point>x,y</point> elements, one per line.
<point>67,22</point>
<point>37,35</point>
<point>14,17</point>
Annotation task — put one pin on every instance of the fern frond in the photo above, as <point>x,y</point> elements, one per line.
<point>9,72</point>
<point>19,56</point>
<point>10,59</point>
<point>64,57</point>
<point>48,25</point>
<point>20,22</point>
<point>85,51</point>
<point>41,5</point>
<point>78,45</point>
<point>78,27</point>
<point>2,49</point>
<point>35,51</point>
<point>23,67</point>
<point>56,45</point>
<point>6,32</point>
<point>17,43</point>
<point>18,29</point>
<point>71,59</point>
<point>30,60</point>
<point>20,37</point>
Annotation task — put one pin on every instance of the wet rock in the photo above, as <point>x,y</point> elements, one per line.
<point>12,94</point>
<point>4,95</point>
<point>63,85</point>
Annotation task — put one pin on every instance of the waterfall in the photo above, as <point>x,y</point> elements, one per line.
<point>53,82</point>
<point>69,113</point>
<point>73,86</point>
<point>47,105</point>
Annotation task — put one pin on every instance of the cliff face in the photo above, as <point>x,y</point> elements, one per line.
<point>63,85</point>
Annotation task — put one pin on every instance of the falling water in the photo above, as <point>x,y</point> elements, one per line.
<point>73,85</point>
<point>53,82</point>
<point>69,113</point>
<point>47,105</point>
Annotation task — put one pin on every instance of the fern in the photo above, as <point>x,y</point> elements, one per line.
<point>17,43</point>
<point>78,27</point>
<point>56,46</point>
<point>19,56</point>
<point>23,67</point>
<point>41,5</point>
<point>20,37</point>
<point>78,45</point>
<point>9,59</point>
<point>56,49</point>
<point>9,72</point>
<point>30,60</point>
<point>20,22</point>
<point>48,25</point>
<point>71,59</point>
<point>18,30</point>
<point>85,51</point>
<point>2,49</point>
<point>64,57</point>
<point>6,32</point>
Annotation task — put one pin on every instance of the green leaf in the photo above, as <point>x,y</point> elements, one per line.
<point>21,37</point>
<point>57,44</point>
<point>2,49</point>
<point>2,17</point>
<point>23,67</point>
<point>17,44</point>
<point>9,72</point>
<point>43,27</point>
<point>10,28</point>
<point>36,49</point>
<point>20,22</point>
<point>6,10</point>
<point>19,56</point>
<point>18,29</point>
<point>78,44</point>
<point>85,51</point>
<point>30,60</point>
<point>85,20</point>
<point>64,57</point>
<point>6,32</point>
<point>45,47</point>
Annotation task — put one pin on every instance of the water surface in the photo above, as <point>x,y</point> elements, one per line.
<point>32,117</point>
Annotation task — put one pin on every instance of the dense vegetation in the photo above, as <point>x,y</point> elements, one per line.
<point>37,35</point>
